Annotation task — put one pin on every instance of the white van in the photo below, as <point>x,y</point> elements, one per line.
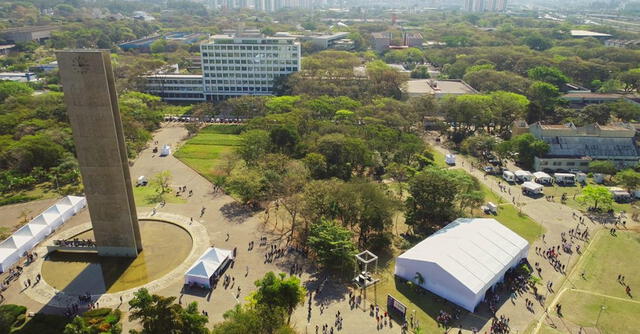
<point>508,176</point>
<point>166,150</point>
<point>450,159</point>
<point>565,178</point>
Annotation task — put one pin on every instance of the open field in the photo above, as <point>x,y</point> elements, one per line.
<point>599,302</point>
<point>606,258</point>
<point>148,196</point>
<point>203,151</point>
<point>601,314</point>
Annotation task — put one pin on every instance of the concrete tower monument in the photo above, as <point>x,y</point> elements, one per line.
<point>92,106</point>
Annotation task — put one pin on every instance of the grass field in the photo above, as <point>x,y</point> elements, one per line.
<point>203,151</point>
<point>612,316</point>
<point>148,196</point>
<point>606,258</point>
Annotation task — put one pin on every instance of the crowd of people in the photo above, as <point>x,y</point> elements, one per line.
<point>75,243</point>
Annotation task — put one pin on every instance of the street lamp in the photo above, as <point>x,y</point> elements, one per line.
<point>602,308</point>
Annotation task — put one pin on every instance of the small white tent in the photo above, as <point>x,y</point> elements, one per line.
<point>523,175</point>
<point>542,177</point>
<point>463,260</point>
<point>532,188</point>
<point>207,266</point>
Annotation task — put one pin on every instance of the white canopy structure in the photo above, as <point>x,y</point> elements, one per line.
<point>524,175</point>
<point>25,238</point>
<point>532,188</point>
<point>463,260</point>
<point>542,177</point>
<point>208,265</point>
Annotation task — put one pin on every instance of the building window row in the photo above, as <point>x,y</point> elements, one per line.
<point>247,47</point>
<point>251,61</point>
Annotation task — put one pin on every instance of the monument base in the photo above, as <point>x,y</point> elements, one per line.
<point>118,251</point>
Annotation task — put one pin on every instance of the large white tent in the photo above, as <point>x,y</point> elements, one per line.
<point>463,260</point>
<point>25,238</point>
<point>208,265</point>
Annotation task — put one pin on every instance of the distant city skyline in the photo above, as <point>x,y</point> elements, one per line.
<point>485,5</point>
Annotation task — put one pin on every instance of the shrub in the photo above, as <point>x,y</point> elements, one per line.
<point>9,315</point>
<point>95,313</point>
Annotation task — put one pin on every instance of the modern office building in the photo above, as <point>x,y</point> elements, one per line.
<point>232,65</point>
<point>176,87</point>
<point>246,64</point>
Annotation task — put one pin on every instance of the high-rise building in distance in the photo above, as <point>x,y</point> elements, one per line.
<point>485,5</point>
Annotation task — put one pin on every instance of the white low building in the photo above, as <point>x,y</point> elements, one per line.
<point>463,260</point>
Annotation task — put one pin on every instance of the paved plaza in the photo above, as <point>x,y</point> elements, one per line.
<point>225,224</point>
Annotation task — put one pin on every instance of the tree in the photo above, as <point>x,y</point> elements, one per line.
<point>12,88</point>
<point>625,110</point>
<point>596,113</point>
<point>192,320</point>
<point>548,74</point>
<point>248,183</point>
<point>543,97</point>
<point>254,144</point>
<point>420,72</point>
<point>603,166</point>
<point>279,291</point>
<point>629,178</point>
<point>536,42</point>
<point>528,147</point>
<point>597,197</point>
<point>332,245</point>
<point>161,181</point>
<point>437,196</point>
<point>478,145</point>
<point>77,326</point>
<point>258,319</point>
<point>192,128</point>
<point>157,314</point>
<point>631,80</point>
<point>344,155</point>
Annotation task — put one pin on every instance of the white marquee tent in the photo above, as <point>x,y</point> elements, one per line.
<point>542,177</point>
<point>462,261</point>
<point>207,266</point>
<point>25,238</point>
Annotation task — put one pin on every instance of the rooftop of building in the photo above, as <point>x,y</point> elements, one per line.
<point>381,35</point>
<point>29,29</point>
<point>432,86</point>
<point>176,76</point>
<point>239,38</point>
<point>7,46</point>
<point>587,33</point>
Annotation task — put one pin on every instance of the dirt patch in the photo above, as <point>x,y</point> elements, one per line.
<point>13,216</point>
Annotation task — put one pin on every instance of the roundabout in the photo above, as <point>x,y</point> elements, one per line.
<point>172,243</point>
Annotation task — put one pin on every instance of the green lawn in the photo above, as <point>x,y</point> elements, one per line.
<point>148,196</point>
<point>511,217</point>
<point>617,316</point>
<point>605,259</point>
<point>202,152</point>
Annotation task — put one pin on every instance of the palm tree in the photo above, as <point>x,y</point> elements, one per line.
<point>77,326</point>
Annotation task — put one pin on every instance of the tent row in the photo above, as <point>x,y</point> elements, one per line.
<point>29,235</point>
<point>208,268</point>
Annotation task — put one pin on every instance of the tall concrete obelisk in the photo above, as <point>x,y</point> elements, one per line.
<point>92,106</point>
